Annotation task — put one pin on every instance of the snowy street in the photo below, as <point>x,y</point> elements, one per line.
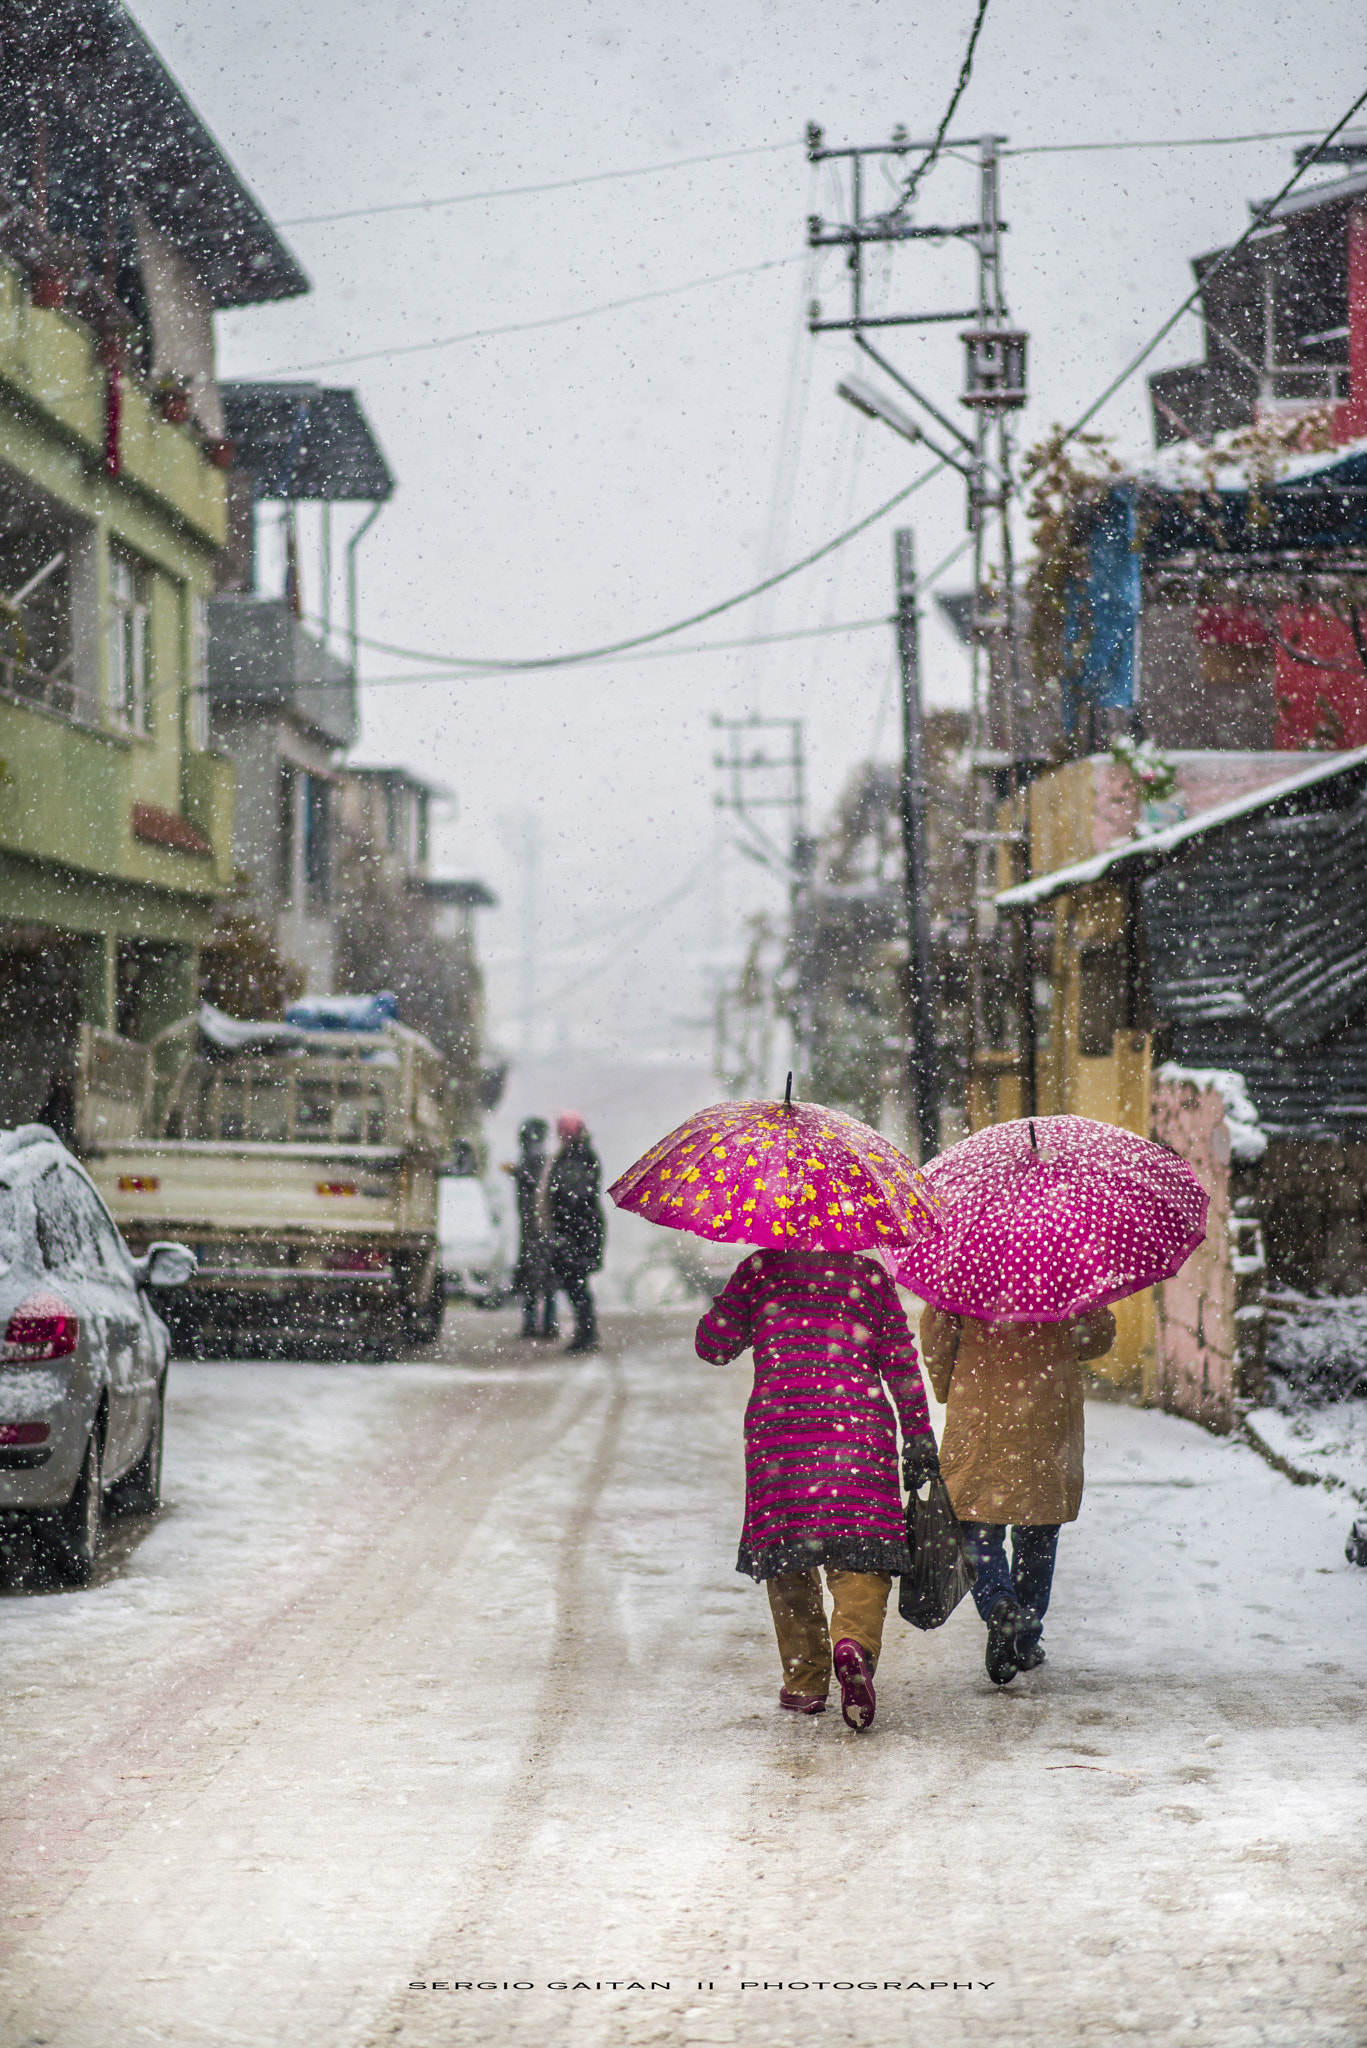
<point>440,1675</point>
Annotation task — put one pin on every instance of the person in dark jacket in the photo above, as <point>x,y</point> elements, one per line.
<point>534,1274</point>
<point>572,1211</point>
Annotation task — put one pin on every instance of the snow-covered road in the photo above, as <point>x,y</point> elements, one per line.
<point>440,1675</point>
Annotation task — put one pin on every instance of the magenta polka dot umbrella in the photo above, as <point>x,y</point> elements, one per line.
<point>790,1175</point>
<point>1045,1218</point>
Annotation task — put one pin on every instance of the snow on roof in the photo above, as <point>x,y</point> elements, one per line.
<point>1187,465</point>
<point>1147,845</point>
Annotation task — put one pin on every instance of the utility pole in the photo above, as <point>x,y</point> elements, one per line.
<point>756,780</point>
<point>994,388</point>
<point>923,1066</point>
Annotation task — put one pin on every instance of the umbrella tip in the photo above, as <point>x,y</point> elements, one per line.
<point>788,1091</point>
<point>1033,1146</point>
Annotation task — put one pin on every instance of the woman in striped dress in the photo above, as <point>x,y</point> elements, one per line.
<point>821,1457</point>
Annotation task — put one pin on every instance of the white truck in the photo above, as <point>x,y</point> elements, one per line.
<point>300,1163</point>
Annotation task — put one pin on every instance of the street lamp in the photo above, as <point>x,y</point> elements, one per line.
<point>874,405</point>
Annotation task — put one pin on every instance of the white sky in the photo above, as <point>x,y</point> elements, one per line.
<point>569,487</point>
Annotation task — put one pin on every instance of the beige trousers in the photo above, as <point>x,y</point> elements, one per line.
<point>858,1603</point>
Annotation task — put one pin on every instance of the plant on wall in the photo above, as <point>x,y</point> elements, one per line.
<point>1068,480</point>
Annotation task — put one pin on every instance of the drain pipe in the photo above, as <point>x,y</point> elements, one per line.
<point>351,547</point>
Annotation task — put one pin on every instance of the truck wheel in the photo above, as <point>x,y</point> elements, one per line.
<point>423,1319</point>
<point>139,1491</point>
<point>74,1533</point>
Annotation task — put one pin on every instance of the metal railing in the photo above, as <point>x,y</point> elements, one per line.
<point>50,690</point>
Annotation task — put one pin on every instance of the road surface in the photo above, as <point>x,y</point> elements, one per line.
<point>440,1675</point>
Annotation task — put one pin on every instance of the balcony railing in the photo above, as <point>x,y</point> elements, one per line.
<point>51,690</point>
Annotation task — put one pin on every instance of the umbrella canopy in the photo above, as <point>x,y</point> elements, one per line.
<point>1047,1217</point>
<point>788,1175</point>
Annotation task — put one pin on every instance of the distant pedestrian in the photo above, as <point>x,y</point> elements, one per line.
<point>1012,1456</point>
<point>821,1457</point>
<point>534,1274</point>
<point>572,1213</point>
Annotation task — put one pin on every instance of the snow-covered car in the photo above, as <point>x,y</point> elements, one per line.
<point>474,1259</point>
<point>83,1355</point>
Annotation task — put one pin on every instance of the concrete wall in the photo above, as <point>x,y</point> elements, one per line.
<point>182,323</point>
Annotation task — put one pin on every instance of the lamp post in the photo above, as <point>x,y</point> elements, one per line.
<point>923,1075</point>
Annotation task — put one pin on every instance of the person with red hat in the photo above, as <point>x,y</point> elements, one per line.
<point>575,1223</point>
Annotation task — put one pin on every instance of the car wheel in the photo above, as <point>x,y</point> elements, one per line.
<point>139,1491</point>
<point>76,1530</point>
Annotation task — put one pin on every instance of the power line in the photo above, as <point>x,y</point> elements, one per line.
<point>720,156</point>
<point>309,220</point>
<point>416,348</point>
<point>471,675</point>
<point>589,654</point>
<point>965,73</point>
<point>1259,221</point>
<point>1163,142</point>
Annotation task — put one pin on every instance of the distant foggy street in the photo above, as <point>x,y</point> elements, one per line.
<point>440,1674</point>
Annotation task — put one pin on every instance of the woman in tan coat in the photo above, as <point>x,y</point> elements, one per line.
<point>1012,1455</point>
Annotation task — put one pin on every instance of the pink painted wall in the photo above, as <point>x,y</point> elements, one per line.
<point>1204,781</point>
<point>1196,1310</point>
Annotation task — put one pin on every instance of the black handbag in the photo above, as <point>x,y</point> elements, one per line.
<point>941,1569</point>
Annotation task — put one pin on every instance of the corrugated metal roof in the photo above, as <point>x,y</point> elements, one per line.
<point>1153,848</point>
<point>1235,927</point>
<point>1313,974</point>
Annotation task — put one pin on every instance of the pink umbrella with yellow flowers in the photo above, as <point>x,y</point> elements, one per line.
<point>789,1176</point>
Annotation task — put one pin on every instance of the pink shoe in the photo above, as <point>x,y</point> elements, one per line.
<point>801,1702</point>
<point>852,1667</point>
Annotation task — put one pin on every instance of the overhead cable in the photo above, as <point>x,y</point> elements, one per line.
<point>1259,221</point>
<point>310,220</point>
<point>680,163</point>
<point>488,666</point>
<point>470,675</point>
<point>417,348</point>
<point>965,73</point>
<point>1162,142</point>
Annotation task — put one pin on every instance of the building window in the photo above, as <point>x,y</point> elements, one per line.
<point>129,644</point>
<point>318,841</point>
<point>285,846</point>
<point>36,627</point>
<point>197,720</point>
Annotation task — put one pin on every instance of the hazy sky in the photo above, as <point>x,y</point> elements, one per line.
<point>563,488</point>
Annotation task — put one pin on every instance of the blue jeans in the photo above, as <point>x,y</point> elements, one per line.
<point>1030,1574</point>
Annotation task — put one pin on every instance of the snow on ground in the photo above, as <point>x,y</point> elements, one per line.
<point>1329,1442</point>
<point>441,1675</point>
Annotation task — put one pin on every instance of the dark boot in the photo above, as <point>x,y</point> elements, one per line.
<point>1003,1656</point>
<point>549,1326</point>
<point>585,1320</point>
<point>1029,1647</point>
<point>528,1317</point>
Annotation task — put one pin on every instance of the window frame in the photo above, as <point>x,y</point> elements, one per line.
<point>128,643</point>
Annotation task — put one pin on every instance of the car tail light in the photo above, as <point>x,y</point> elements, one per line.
<point>356,1261</point>
<point>139,1183</point>
<point>41,1327</point>
<point>335,1187</point>
<point>24,1432</point>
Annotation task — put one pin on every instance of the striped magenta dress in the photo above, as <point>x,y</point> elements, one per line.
<point>821,1480</point>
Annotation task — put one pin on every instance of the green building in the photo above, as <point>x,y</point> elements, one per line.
<point>123,230</point>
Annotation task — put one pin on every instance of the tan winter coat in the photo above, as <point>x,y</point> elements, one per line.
<point>1012,1449</point>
